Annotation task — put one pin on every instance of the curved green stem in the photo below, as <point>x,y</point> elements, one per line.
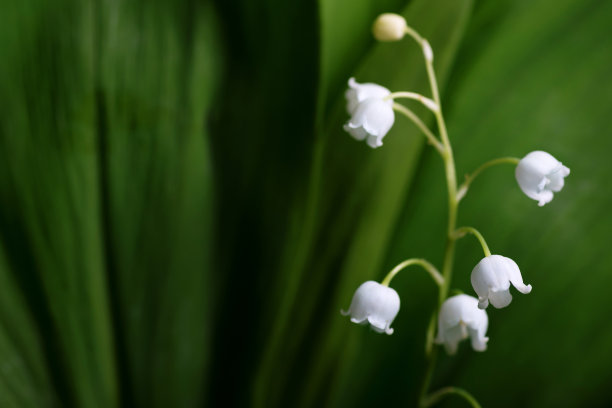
<point>433,272</point>
<point>460,232</point>
<point>428,103</point>
<point>451,235</point>
<point>470,177</point>
<point>451,184</point>
<point>411,32</point>
<point>419,123</point>
<point>435,397</point>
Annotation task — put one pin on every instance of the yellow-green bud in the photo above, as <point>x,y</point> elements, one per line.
<point>389,27</point>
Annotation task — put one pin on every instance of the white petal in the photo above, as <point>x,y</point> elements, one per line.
<point>358,132</point>
<point>378,116</point>
<point>541,162</point>
<point>486,276</point>
<point>565,171</point>
<point>459,318</point>
<point>557,178</point>
<point>374,141</point>
<point>380,326</point>
<point>510,269</point>
<point>514,275</point>
<point>500,298</point>
<point>543,197</point>
<point>372,119</point>
<point>543,183</point>
<point>483,301</point>
<point>479,341</point>
<point>358,93</point>
<point>361,321</point>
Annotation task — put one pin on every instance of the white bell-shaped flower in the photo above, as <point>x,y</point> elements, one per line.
<point>375,304</point>
<point>358,93</point>
<point>459,319</point>
<point>491,280</point>
<point>540,175</point>
<point>371,115</point>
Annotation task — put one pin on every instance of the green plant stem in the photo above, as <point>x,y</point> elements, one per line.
<point>428,103</point>
<point>449,252</point>
<point>435,397</point>
<point>433,272</point>
<point>451,233</point>
<point>470,177</point>
<point>417,37</point>
<point>460,232</point>
<point>419,123</point>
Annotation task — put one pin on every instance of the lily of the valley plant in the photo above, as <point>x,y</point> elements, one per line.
<point>372,108</point>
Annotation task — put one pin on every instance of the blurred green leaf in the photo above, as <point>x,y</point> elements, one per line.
<point>50,193</point>
<point>106,191</point>
<point>157,180</point>
<point>24,379</point>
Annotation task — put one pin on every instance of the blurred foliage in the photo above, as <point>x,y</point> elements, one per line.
<point>182,216</point>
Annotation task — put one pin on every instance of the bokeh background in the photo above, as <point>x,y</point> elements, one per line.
<point>182,216</point>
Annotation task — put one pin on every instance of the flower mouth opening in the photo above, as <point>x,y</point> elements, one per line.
<point>543,184</point>
<point>559,169</point>
<point>464,330</point>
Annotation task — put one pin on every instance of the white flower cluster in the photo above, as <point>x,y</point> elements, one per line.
<point>460,316</point>
<point>539,176</point>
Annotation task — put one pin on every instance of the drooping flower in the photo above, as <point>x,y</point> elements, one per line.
<point>491,280</point>
<point>389,27</point>
<point>459,319</point>
<point>539,175</point>
<point>375,304</point>
<point>371,114</point>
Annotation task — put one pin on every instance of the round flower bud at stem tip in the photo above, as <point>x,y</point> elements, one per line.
<point>389,27</point>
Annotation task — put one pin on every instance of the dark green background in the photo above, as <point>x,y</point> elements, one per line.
<point>182,216</point>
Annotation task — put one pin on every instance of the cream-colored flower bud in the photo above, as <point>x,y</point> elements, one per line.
<point>389,27</point>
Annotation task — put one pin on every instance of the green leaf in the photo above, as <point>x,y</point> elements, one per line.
<point>106,187</point>
<point>158,193</point>
<point>24,378</point>
<point>50,193</point>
